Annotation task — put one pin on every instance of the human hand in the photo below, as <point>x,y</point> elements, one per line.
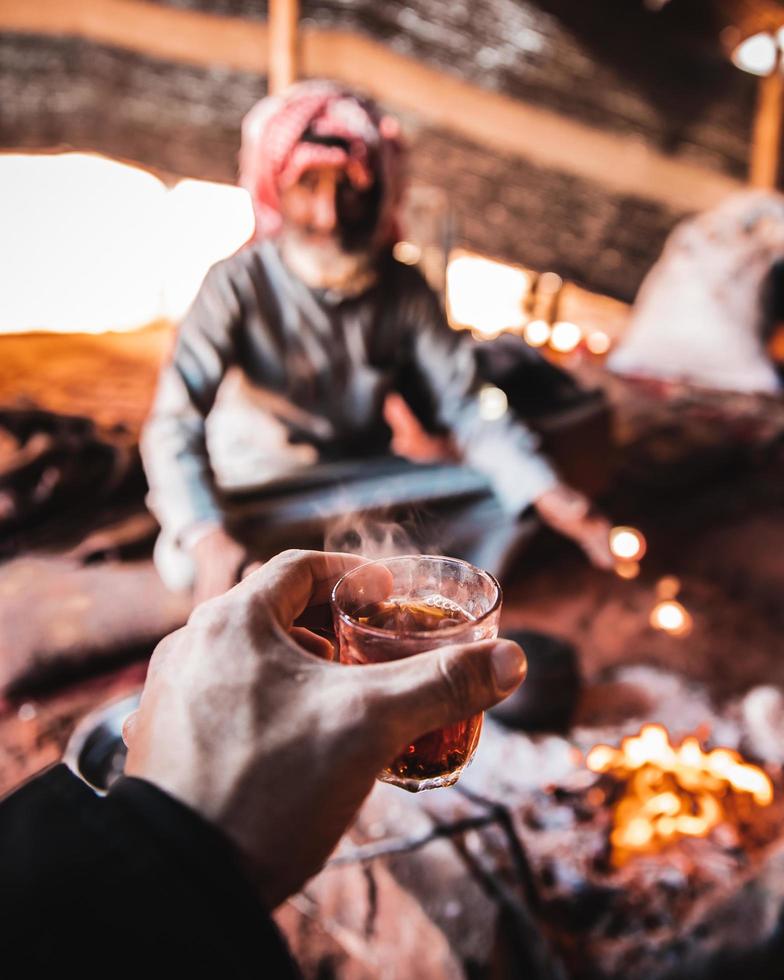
<point>277,746</point>
<point>571,513</point>
<point>409,438</point>
<point>219,560</point>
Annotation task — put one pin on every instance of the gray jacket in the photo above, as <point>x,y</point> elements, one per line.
<point>323,365</point>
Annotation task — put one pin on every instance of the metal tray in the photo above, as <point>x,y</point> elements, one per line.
<point>96,751</point>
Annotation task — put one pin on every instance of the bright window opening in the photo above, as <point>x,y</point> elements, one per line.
<point>89,244</point>
<point>484,295</point>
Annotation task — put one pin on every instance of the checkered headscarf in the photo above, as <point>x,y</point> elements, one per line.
<point>274,154</point>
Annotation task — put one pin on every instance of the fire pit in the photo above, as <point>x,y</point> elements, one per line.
<point>662,793</point>
<point>537,863</point>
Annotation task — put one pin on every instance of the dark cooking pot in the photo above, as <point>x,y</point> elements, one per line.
<point>96,750</point>
<point>548,698</point>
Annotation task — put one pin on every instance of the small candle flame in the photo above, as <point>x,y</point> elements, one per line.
<point>597,342</point>
<point>627,543</point>
<point>565,337</point>
<point>493,403</point>
<point>536,333</point>
<point>668,587</point>
<point>671,617</point>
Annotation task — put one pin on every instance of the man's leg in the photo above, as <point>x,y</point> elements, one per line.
<point>384,506</point>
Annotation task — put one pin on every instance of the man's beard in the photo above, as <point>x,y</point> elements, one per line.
<point>326,264</point>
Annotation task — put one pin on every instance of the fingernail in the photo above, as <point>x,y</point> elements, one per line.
<point>509,664</point>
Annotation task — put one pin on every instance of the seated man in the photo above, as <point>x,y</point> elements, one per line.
<point>247,759</point>
<point>324,323</point>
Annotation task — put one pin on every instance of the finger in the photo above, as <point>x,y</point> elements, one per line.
<point>444,686</point>
<point>295,579</point>
<point>597,547</point>
<point>129,726</point>
<point>602,559</point>
<point>319,646</point>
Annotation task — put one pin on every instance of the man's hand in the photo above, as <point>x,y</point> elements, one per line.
<point>571,514</point>
<point>219,560</point>
<point>245,720</point>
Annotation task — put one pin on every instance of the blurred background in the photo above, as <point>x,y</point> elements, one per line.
<point>597,185</point>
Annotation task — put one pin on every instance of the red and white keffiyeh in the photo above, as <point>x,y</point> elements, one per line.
<point>274,155</point>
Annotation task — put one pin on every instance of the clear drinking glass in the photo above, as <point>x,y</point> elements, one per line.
<point>432,602</point>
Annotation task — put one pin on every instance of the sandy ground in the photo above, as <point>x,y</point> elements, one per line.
<point>109,377</point>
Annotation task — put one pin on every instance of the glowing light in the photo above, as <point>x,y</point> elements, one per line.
<point>668,587</point>
<point>663,804</point>
<point>549,283</point>
<point>565,336</point>
<point>627,569</point>
<point>597,342</point>
<point>671,617</point>
<point>493,403</point>
<point>407,252</point>
<point>672,791</point>
<point>536,333</point>
<point>89,244</point>
<point>601,758</point>
<point>636,834</point>
<point>757,54</point>
<point>484,295</point>
<point>627,543</point>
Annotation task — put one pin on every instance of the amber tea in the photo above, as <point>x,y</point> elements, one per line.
<point>441,752</point>
<point>408,616</point>
<point>433,601</point>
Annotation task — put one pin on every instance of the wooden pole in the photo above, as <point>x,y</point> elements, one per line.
<point>766,141</point>
<point>283,44</point>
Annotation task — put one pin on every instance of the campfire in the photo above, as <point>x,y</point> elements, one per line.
<point>674,791</point>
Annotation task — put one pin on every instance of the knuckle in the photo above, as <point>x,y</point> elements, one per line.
<point>291,556</point>
<point>209,617</point>
<point>163,650</point>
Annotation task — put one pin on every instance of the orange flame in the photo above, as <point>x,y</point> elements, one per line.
<point>672,791</point>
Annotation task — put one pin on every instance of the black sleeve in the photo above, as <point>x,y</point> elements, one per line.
<point>131,884</point>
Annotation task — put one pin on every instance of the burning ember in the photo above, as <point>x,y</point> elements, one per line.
<point>672,791</point>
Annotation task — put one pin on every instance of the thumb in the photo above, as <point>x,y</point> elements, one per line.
<point>444,686</point>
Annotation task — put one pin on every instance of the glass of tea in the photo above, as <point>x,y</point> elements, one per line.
<point>423,602</point>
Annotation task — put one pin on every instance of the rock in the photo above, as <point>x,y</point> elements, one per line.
<point>763,714</point>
